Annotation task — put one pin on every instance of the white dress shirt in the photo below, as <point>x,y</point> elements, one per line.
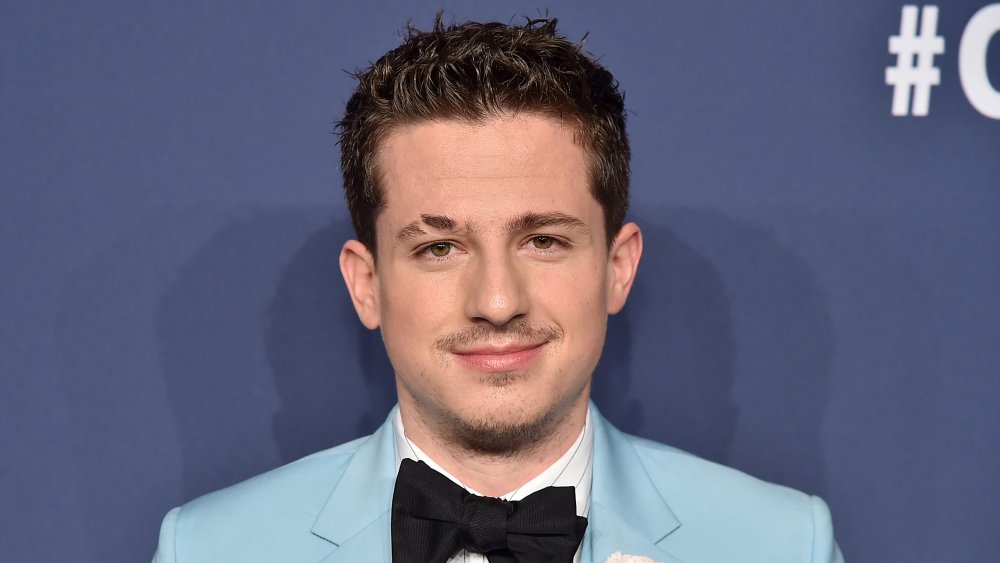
<point>574,469</point>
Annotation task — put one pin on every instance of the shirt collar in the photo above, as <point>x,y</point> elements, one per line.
<point>575,468</point>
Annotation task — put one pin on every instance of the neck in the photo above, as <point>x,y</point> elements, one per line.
<point>496,474</point>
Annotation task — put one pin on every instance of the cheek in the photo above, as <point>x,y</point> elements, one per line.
<point>581,287</point>
<point>576,300</point>
<point>414,310</point>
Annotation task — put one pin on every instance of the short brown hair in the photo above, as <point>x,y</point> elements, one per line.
<point>474,71</point>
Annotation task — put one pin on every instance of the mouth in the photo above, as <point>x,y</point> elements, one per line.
<point>511,357</point>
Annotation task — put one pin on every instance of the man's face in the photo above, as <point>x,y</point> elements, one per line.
<point>494,279</point>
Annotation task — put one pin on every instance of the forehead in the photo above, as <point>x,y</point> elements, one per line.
<point>534,159</point>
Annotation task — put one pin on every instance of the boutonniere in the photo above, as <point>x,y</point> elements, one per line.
<point>619,557</point>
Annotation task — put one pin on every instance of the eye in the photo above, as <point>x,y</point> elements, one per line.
<point>440,249</point>
<point>542,242</point>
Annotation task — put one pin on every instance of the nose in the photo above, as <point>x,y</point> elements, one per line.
<point>496,291</point>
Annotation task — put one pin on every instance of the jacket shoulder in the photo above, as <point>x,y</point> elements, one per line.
<point>715,501</point>
<point>670,467</point>
<point>250,520</point>
<point>294,484</point>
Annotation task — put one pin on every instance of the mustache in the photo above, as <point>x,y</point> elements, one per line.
<point>520,330</point>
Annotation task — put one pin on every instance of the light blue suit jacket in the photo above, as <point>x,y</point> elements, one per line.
<point>647,499</point>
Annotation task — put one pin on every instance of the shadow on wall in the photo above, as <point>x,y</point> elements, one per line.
<point>674,342</point>
<point>724,349</point>
<point>260,348</point>
<point>317,348</point>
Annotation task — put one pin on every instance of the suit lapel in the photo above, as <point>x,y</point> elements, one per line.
<point>369,544</point>
<point>356,516</point>
<point>627,511</point>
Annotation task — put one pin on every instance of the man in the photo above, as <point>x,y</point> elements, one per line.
<point>486,170</point>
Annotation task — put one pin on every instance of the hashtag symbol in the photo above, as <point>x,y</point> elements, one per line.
<point>919,77</point>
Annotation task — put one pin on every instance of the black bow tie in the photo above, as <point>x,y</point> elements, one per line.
<point>432,518</point>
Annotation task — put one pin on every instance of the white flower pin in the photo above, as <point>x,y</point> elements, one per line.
<point>619,557</point>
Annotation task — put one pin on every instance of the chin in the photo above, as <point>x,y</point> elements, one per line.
<point>504,425</point>
<point>500,435</point>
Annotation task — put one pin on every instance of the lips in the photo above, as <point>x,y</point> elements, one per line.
<point>500,358</point>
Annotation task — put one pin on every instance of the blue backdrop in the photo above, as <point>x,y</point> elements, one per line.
<point>818,304</point>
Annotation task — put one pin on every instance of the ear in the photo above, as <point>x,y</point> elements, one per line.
<point>357,264</point>
<point>622,265</point>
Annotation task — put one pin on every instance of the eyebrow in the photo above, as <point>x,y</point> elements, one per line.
<point>436,222</point>
<point>532,221</point>
<point>525,222</point>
